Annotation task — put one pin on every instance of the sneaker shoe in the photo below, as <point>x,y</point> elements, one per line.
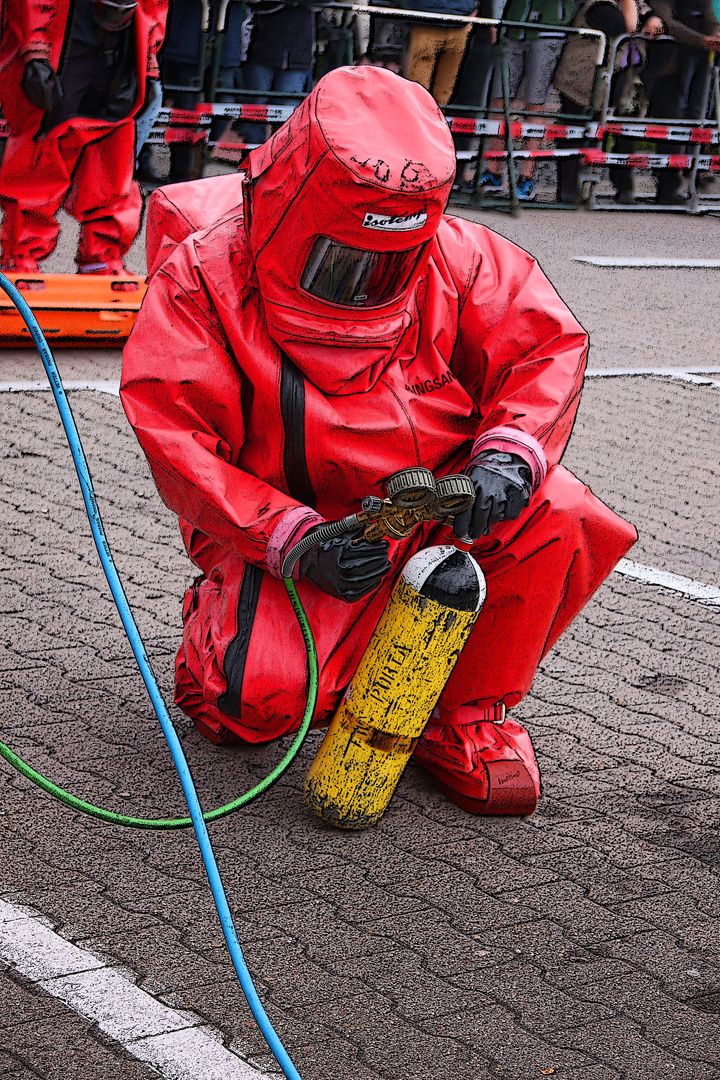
<point>525,189</point>
<point>673,198</point>
<point>481,761</point>
<point>670,191</point>
<point>626,197</point>
<point>490,180</point>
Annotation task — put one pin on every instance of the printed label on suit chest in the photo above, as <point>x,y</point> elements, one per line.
<point>430,385</point>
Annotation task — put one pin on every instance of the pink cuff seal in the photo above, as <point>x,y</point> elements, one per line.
<point>291,528</point>
<point>513,441</point>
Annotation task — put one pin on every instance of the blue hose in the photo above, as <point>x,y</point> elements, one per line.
<point>191,797</point>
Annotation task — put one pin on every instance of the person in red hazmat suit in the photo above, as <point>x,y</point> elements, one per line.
<point>331,327</point>
<point>72,77</point>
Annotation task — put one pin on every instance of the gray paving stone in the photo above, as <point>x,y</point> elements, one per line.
<point>665,956</point>
<point>437,944</point>
<point>623,1045</point>
<point>512,1050</point>
<point>67,1046</point>
<point>538,1005</point>
<point>664,1020</point>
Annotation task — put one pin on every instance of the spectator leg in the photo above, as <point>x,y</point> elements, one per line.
<point>228,79</point>
<point>293,82</point>
<point>621,176</point>
<point>474,79</point>
<point>257,77</point>
<point>669,101</point>
<point>472,88</point>
<point>698,106</point>
<point>515,59</point>
<point>569,169</point>
<point>541,59</point>
<point>151,110</point>
<point>698,72</point>
<point>497,142</point>
<point>448,64</point>
<point>423,49</point>
<point>185,158</point>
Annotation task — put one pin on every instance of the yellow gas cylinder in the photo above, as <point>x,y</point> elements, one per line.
<point>371,737</point>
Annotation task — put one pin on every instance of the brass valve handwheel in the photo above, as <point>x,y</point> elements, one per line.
<point>410,489</point>
<point>454,493</point>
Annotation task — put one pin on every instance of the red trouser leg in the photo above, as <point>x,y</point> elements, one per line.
<point>540,572</point>
<point>240,629</point>
<point>34,177</point>
<point>90,159</point>
<point>104,198</point>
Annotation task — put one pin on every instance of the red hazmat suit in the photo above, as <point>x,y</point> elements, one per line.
<point>263,409</point>
<point>87,164</point>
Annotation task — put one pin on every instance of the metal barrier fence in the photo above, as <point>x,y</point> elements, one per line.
<point>194,126</point>
<point>198,126</point>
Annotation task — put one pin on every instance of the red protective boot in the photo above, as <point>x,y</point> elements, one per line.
<point>481,761</point>
<point>110,268</point>
<point>113,267</point>
<point>21,266</point>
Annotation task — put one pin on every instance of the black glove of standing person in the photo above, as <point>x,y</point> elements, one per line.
<point>503,485</point>
<point>344,571</point>
<point>41,85</point>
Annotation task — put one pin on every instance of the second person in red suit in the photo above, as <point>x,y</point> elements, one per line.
<point>72,77</point>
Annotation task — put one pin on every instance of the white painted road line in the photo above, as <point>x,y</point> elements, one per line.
<point>173,1042</point>
<point>696,376</point>
<point>640,263</point>
<point>104,386</point>
<point>708,595</point>
<point>110,386</point>
<point>613,373</point>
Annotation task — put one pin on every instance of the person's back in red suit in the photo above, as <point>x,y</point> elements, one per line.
<point>331,328</point>
<point>76,151</point>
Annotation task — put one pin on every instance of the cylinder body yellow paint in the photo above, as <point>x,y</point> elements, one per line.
<point>396,687</point>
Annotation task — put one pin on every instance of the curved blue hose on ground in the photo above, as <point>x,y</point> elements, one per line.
<point>191,797</point>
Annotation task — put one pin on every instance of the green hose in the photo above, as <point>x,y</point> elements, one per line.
<point>221,811</point>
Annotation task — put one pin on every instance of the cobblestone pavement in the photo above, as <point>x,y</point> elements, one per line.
<point>582,944</point>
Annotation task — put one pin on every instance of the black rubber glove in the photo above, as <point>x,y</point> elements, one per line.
<point>503,485</point>
<point>344,571</point>
<point>41,85</point>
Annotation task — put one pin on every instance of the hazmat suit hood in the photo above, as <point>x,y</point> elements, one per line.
<point>343,205</point>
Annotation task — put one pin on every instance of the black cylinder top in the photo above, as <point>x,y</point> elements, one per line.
<point>454,583</point>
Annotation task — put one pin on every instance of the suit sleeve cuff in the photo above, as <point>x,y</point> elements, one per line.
<point>35,50</point>
<point>292,527</point>
<point>513,441</point>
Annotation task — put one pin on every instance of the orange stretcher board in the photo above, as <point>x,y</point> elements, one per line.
<point>73,309</point>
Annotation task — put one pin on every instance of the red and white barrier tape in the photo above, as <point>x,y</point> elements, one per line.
<point>635,161</point>
<point>651,161</point>
<point>674,133</point>
<point>592,130</point>
<point>202,116</point>
<point>190,125</point>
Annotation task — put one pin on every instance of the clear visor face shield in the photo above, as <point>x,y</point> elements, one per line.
<point>113,16</point>
<point>355,278</point>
